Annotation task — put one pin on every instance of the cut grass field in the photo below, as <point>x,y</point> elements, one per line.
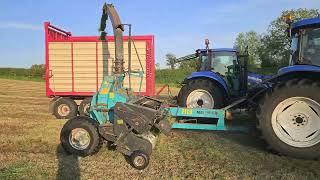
<point>29,138</point>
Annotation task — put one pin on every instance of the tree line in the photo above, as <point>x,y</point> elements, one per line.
<point>36,71</point>
<point>270,49</point>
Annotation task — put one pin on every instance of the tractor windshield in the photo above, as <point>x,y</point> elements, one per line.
<point>310,47</point>
<point>221,60</point>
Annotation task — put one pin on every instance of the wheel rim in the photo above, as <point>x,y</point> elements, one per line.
<point>296,121</point>
<point>200,99</point>
<point>64,110</point>
<point>79,138</point>
<point>139,161</point>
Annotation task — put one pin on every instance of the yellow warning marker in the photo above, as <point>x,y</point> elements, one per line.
<point>104,91</point>
<point>119,121</point>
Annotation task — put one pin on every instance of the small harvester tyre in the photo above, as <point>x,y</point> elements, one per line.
<point>195,90</point>
<point>139,160</point>
<point>65,108</point>
<point>80,136</point>
<point>289,118</point>
<point>84,107</point>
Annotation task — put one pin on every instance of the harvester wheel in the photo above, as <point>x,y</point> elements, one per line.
<point>84,107</point>
<point>289,118</point>
<point>80,136</point>
<point>201,93</point>
<point>65,108</point>
<point>139,160</point>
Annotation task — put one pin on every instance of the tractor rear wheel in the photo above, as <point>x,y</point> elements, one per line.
<point>80,136</point>
<point>289,119</point>
<point>201,93</point>
<point>65,108</point>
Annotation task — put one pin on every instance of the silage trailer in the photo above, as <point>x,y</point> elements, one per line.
<point>75,66</point>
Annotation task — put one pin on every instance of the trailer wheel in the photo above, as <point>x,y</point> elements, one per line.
<point>201,93</point>
<point>84,107</point>
<point>289,119</point>
<point>65,108</point>
<point>139,160</point>
<point>80,136</point>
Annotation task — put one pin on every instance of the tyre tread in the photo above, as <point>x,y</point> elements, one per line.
<point>78,121</point>
<point>264,106</point>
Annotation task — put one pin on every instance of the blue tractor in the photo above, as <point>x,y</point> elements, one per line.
<point>287,104</point>
<point>289,111</point>
<point>221,78</point>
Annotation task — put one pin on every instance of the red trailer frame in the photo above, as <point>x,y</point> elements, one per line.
<point>55,34</point>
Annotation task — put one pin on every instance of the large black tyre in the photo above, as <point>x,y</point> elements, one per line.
<point>84,107</point>
<point>74,133</point>
<point>287,116</point>
<point>209,90</point>
<point>65,108</point>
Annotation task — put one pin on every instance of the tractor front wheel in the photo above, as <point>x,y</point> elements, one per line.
<point>201,93</point>
<point>80,136</point>
<point>289,119</point>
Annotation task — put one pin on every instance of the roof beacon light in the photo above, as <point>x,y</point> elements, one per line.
<point>207,42</point>
<point>288,18</point>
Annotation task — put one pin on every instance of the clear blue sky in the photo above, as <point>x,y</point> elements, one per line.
<point>179,26</point>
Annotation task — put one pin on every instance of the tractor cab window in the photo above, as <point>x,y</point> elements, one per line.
<point>205,62</point>
<point>294,49</point>
<point>221,61</point>
<point>310,47</point>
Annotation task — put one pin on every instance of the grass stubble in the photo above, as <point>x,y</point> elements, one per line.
<point>30,149</point>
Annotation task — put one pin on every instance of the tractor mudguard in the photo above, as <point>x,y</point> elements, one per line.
<point>299,68</point>
<point>294,71</point>
<point>210,75</point>
<point>285,74</point>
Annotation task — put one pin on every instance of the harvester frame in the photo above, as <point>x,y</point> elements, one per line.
<point>128,123</point>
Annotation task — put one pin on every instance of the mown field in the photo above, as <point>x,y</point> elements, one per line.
<point>29,138</point>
